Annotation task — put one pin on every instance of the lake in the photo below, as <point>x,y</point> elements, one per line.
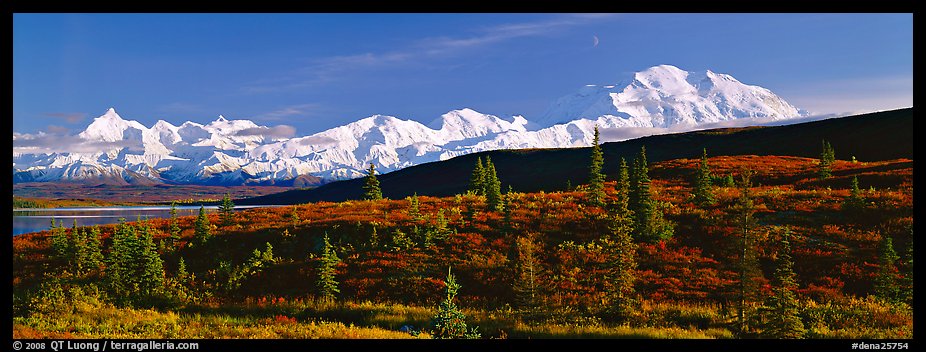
<point>38,219</point>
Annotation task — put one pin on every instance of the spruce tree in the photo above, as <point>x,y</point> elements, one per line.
<point>294,216</point>
<point>596,178</point>
<point>648,222</point>
<point>450,322</point>
<point>886,283</point>
<point>326,269</point>
<point>413,210</point>
<point>227,210</point>
<point>854,202</point>
<point>728,181</point>
<point>76,247</point>
<point>94,250</point>
<point>493,187</point>
<point>60,242</point>
<point>149,266</point>
<point>174,227</point>
<point>782,308</point>
<point>477,182</point>
<point>620,268</point>
<point>640,201</point>
<point>182,273</point>
<point>371,190</point>
<point>202,232</point>
<point>527,284</point>
<point>825,164</point>
<point>80,251</point>
<point>119,273</point>
<point>374,239</point>
<point>703,195</point>
<point>748,266</point>
<point>622,201</point>
<point>182,282</point>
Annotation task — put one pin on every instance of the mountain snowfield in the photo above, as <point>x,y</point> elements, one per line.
<point>235,152</point>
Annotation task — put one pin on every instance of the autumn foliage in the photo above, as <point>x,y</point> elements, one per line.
<point>390,254</point>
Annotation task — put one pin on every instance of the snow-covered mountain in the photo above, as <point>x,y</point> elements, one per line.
<point>231,152</point>
<point>664,96</point>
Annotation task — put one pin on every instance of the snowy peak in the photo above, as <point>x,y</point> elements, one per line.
<point>666,78</point>
<point>234,152</point>
<point>665,95</point>
<point>110,127</point>
<point>468,123</point>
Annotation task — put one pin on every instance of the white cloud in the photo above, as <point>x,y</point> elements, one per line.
<point>43,143</point>
<point>329,69</point>
<point>318,141</point>
<point>276,132</point>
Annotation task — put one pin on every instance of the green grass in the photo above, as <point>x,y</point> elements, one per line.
<point>107,321</point>
<point>83,315</point>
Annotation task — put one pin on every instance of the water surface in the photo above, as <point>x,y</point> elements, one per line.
<point>38,219</point>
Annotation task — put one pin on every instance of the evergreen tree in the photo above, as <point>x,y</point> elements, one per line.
<point>783,308</point>
<point>703,195</point>
<point>249,268</point>
<point>374,239</point>
<point>75,247</point>
<point>648,222</point>
<point>181,284</point>
<point>294,216</point>
<point>149,266</point>
<point>827,158</point>
<point>413,210</point>
<point>886,285</point>
<point>477,182</point>
<point>854,202</point>
<point>174,227</point>
<point>119,263</point>
<point>182,273</point>
<point>622,201</point>
<point>640,201</point>
<point>748,266</point>
<point>527,284</point>
<point>227,210</point>
<point>327,265</point>
<point>371,190</point>
<point>60,242</point>
<point>202,232</point>
<point>596,178</point>
<point>94,256</point>
<point>493,187</point>
<point>620,268</point>
<point>728,181</point>
<point>450,322</point>
<point>79,251</point>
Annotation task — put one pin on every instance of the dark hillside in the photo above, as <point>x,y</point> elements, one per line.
<point>877,136</point>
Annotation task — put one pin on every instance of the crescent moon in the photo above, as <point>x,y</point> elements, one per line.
<point>596,41</point>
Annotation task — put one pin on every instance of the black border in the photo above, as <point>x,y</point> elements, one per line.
<point>497,6</point>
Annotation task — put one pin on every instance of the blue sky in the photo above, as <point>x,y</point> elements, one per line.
<point>317,71</point>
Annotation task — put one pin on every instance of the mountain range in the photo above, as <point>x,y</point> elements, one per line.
<point>235,152</point>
